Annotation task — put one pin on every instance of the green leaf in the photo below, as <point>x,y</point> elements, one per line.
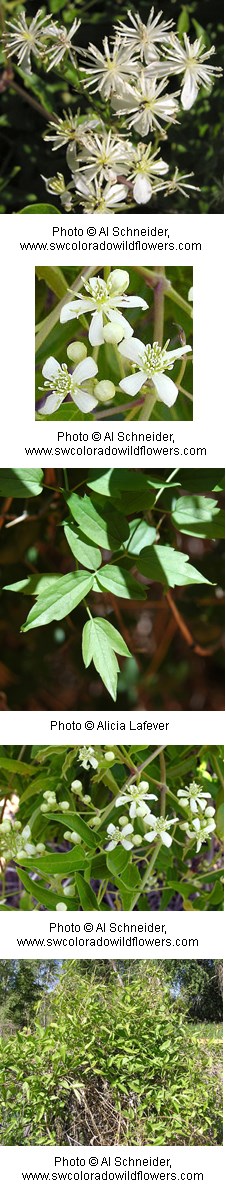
<point>117,860</point>
<point>114,637</point>
<point>74,823</point>
<point>197,515</point>
<point>59,601</point>
<point>140,536</point>
<point>39,208</point>
<point>82,550</point>
<point>131,876</point>
<point>87,897</point>
<point>119,581</point>
<point>163,564</point>
<point>61,863</point>
<point>45,897</point>
<point>96,648</point>
<point>11,766</point>
<point>54,278</point>
<point>104,526</point>
<point>18,484</point>
<point>37,584</point>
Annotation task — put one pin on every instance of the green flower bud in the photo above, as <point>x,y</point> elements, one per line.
<point>49,794</point>
<point>76,351</point>
<point>69,891</point>
<point>75,838</point>
<point>40,848</point>
<point>123,821</point>
<point>61,906</point>
<point>64,805</point>
<point>109,756</point>
<point>137,840</point>
<point>96,822</point>
<point>86,799</point>
<point>76,787</point>
<point>113,332</point>
<point>104,391</point>
<point>44,808</point>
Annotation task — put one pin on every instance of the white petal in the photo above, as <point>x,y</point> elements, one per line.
<point>85,369</point>
<point>172,354</point>
<point>111,828</point>
<point>51,404</point>
<point>189,91</point>
<point>193,805</point>
<point>210,810</point>
<point>133,349</point>
<point>51,368</point>
<point>133,301</point>
<point>96,336</point>
<point>196,824</point>
<point>133,382</point>
<point>166,389</point>
<point>151,820</point>
<point>142,189</point>
<point>150,836</point>
<point>127,844</point>
<point>110,847</point>
<point>77,307</point>
<point>121,801</point>
<point>116,317</point>
<point>166,838</point>
<point>83,401</point>
<point>132,810</point>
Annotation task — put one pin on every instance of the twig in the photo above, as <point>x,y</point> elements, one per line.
<point>199,649</point>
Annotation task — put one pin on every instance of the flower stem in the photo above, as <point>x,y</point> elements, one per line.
<point>147,875</point>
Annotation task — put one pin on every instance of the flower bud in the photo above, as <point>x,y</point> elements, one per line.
<point>30,849</point>
<point>96,822</point>
<point>75,838</point>
<point>137,840</point>
<point>69,891</point>
<point>76,352</point>
<point>26,833</point>
<point>61,906</point>
<point>44,808</point>
<point>119,281</point>
<point>86,799</point>
<point>76,787</point>
<point>113,332</point>
<point>64,805</point>
<point>104,391</point>
<point>40,848</point>
<point>49,794</point>
<point>123,821</point>
<point>109,756</point>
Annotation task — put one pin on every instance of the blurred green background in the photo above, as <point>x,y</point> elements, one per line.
<point>195,144</point>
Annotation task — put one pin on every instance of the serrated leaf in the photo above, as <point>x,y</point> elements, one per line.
<point>58,601</point>
<point>84,552</point>
<point>105,526</point>
<point>198,516</point>
<point>74,823</point>
<point>87,897</point>
<point>18,484</point>
<point>164,564</point>
<point>97,648</point>
<point>119,581</point>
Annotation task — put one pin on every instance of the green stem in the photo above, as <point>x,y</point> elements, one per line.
<point>152,276</point>
<point>147,875</point>
<point>163,784</point>
<point>148,405</point>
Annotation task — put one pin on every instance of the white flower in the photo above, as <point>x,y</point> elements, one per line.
<point>159,829</point>
<point>101,158</point>
<point>65,383</point>
<point>137,796</point>
<point>152,362</point>
<point>69,128</point>
<point>194,791</point>
<point>191,60</point>
<point>144,169</point>
<point>147,106</point>
<point>119,835</point>
<point>143,39</point>
<point>88,758</point>
<point>106,298</point>
<point>94,199</point>
<point>25,39</point>
<point>200,830</point>
<point>63,43</point>
<point>178,182</point>
<point>112,68</point>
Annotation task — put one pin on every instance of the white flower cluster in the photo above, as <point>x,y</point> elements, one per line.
<point>132,76</point>
<point>108,325</point>
<point>200,821</point>
<point>17,844</point>
<point>137,798</point>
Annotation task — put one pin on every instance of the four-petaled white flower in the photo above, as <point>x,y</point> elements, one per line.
<point>144,39</point>
<point>94,199</point>
<point>152,361</point>
<point>65,384</point>
<point>119,835</point>
<point>63,43</point>
<point>112,67</point>
<point>144,101</point>
<point>101,157</point>
<point>87,758</point>
<point>194,796</point>
<point>178,182</point>
<point>159,829</point>
<point>137,796</point>
<point>106,299</point>
<point>145,170</point>
<point>190,59</point>
<point>24,40</point>
<point>200,830</point>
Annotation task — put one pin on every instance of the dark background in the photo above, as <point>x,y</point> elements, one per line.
<point>196,144</point>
